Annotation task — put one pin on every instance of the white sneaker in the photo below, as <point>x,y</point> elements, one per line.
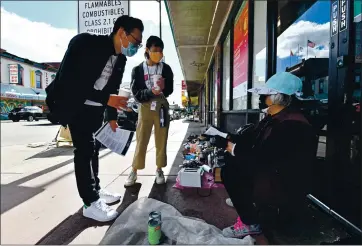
<point>160,178</point>
<point>229,202</point>
<point>131,180</point>
<point>100,211</point>
<point>109,197</point>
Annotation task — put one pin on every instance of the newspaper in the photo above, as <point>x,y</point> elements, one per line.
<point>214,132</point>
<point>118,141</point>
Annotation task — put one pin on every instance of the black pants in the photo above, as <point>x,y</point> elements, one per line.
<point>86,153</point>
<point>248,187</point>
<point>238,182</point>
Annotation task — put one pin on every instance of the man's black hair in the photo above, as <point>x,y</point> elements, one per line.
<point>154,41</point>
<point>128,23</point>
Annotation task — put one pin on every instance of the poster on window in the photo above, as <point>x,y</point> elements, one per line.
<point>183,85</point>
<point>14,73</point>
<point>241,52</point>
<point>98,17</point>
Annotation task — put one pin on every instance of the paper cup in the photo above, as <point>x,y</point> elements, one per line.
<point>124,93</point>
<point>155,78</point>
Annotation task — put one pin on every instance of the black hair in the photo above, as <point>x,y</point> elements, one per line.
<point>153,41</point>
<point>128,23</point>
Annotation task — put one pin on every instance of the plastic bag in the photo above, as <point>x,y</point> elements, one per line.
<point>131,227</point>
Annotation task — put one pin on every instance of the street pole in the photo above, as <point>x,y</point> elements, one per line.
<point>160,18</point>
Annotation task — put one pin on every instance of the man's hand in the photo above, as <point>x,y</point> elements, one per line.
<point>117,102</point>
<point>113,124</point>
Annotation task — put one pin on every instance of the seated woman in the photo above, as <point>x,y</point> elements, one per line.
<point>271,164</point>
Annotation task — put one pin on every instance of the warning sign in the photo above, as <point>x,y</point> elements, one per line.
<point>98,17</point>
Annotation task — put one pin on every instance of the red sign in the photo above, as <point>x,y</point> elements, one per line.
<point>14,73</point>
<point>241,51</point>
<point>183,85</point>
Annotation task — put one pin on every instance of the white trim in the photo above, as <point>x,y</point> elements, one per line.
<point>358,18</point>
<point>221,29</point>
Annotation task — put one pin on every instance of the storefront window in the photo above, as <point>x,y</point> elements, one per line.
<point>240,78</point>
<point>260,8</point>
<point>303,49</point>
<point>38,79</point>
<point>226,74</point>
<point>306,38</point>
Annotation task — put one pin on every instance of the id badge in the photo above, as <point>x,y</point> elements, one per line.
<point>153,106</point>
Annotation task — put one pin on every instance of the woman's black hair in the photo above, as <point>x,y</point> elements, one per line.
<point>153,41</point>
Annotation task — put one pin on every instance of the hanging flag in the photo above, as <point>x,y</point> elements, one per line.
<point>310,44</point>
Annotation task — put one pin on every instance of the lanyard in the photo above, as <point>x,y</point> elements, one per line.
<point>148,71</point>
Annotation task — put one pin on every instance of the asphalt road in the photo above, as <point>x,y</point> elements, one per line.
<point>23,133</point>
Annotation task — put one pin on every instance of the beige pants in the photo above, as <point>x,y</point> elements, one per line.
<point>147,119</point>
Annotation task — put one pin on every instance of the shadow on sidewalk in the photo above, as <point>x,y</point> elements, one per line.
<point>13,194</point>
<point>71,227</point>
<point>53,151</point>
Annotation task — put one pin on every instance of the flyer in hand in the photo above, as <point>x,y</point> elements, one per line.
<point>118,141</point>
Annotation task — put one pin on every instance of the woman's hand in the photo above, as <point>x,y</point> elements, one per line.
<point>161,83</point>
<point>156,92</point>
<point>230,147</point>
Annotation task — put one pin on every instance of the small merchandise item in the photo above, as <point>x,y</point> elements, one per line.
<point>191,177</point>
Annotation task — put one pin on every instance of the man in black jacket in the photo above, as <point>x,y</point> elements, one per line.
<point>86,84</point>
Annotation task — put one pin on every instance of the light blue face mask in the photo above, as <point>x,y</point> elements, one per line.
<point>130,51</point>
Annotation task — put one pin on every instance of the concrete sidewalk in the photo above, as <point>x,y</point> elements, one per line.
<point>40,202</point>
<point>39,197</point>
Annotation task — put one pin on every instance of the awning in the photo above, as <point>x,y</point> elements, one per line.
<point>40,93</point>
<point>196,27</point>
<point>20,92</point>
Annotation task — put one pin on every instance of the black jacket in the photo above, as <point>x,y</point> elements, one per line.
<point>81,66</point>
<point>283,147</point>
<point>138,84</point>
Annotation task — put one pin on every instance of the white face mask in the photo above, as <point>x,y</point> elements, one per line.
<point>265,110</point>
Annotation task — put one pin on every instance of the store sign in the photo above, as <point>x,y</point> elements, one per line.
<point>46,79</point>
<point>14,73</point>
<point>98,17</point>
<point>183,85</point>
<point>343,15</point>
<point>241,52</point>
<point>334,19</point>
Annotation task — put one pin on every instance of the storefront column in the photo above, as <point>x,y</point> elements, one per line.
<point>271,39</point>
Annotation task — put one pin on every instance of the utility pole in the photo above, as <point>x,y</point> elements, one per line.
<point>160,6</point>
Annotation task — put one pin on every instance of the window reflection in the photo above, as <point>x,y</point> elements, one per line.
<point>226,74</point>
<point>259,67</point>
<point>303,49</point>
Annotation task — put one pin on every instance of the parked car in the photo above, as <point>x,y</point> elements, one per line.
<point>29,113</point>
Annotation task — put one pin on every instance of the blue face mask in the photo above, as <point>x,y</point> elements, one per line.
<point>130,51</point>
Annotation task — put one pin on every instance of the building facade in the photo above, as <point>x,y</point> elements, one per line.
<point>232,46</point>
<point>23,82</point>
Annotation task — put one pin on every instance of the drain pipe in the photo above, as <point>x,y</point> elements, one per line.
<point>354,229</point>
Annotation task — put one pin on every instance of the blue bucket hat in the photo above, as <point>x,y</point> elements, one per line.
<point>284,82</point>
